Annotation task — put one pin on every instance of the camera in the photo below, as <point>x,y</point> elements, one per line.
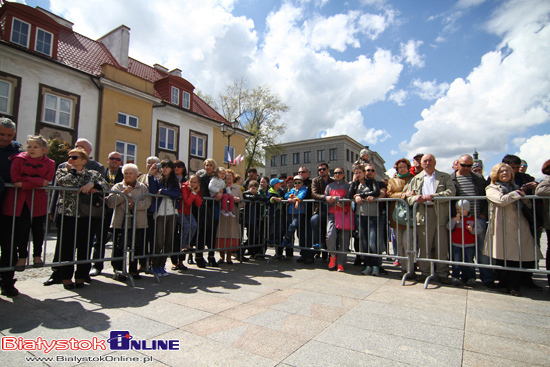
<point>159,166</point>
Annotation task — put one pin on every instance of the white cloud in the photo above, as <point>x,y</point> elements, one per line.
<point>535,152</point>
<point>409,52</point>
<point>399,97</point>
<point>500,98</point>
<point>463,4</point>
<point>429,90</point>
<point>518,141</point>
<point>393,152</point>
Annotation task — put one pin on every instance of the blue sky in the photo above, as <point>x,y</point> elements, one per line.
<point>443,77</point>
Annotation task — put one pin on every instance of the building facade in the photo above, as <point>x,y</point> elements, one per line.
<point>338,151</point>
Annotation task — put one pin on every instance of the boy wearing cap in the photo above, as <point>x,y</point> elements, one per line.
<point>464,229</point>
<point>274,215</point>
<point>296,212</point>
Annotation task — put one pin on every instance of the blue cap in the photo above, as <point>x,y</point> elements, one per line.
<point>275,181</point>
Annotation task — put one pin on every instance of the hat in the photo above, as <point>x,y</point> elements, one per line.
<point>275,181</point>
<point>476,165</point>
<point>418,155</point>
<point>464,204</point>
<point>363,152</point>
<point>298,177</point>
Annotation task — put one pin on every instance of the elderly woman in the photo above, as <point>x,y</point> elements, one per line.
<point>208,218</point>
<point>74,221</point>
<point>508,239</point>
<point>395,190</point>
<point>544,189</point>
<point>229,229</point>
<point>119,223</point>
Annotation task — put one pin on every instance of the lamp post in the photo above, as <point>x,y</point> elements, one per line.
<point>225,131</point>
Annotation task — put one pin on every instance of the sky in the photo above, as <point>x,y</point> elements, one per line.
<point>403,77</point>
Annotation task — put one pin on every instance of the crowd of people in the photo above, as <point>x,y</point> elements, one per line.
<point>165,211</point>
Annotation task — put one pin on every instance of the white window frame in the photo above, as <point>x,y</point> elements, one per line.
<point>231,153</point>
<point>127,118</point>
<point>38,30</point>
<point>195,139</point>
<point>28,32</point>
<point>7,97</point>
<point>186,100</point>
<point>122,148</point>
<point>164,133</point>
<point>175,96</point>
<point>57,110</point>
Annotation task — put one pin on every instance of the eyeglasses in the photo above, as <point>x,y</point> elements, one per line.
<point>302,171</point>
<point>338,173</point>
<point>466,165</point>
<point>74,157</point>
<point>370,170</point>
<point>322,169</point>
<point>297,182</point>
<point>523,165</point>
<point>115,159</point>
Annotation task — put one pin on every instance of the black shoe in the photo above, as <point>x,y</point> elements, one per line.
<point>79,285</point>
<point>212,262</point>
<point>358,261</point>
<point>241,258</point>
<point>87,279</point>
<point>383,271</point>
<point>301,259</point>
<point>119,277</point>
<point>8,289</point>
<point>200,263</point>
<point>68,286</point>
<point>52,280</point>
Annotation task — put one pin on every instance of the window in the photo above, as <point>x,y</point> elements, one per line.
<point>332,154</point>
<point>274,161</point>
<point>320,156</point>
<point>347,155</point>
<point>20,32</point>
<point>44,42</point>
<point>356,157</point>
<point>57,110</point>
<point>231,155</point>
<point>186,100</point>
<point>5,94</point>
<point>348,175</point>
<point>167,138</point>
<point>129,120</point>
<point>127,151</point>
<point>283,159</point>
<point>197,146</point>
<point>307,157</point>
<point>296,158</point>
<point>175,96</point>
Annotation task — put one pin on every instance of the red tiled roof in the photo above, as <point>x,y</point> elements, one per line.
<point>203,108</point>
<point>83,53</point>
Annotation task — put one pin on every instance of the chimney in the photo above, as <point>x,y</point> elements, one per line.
<point>118,43</point>
<point>161,68</point>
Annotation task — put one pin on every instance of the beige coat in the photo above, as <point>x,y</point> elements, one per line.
<point>444,187</point>
<point>229,227</point>
<point>503,227</point>
<point>395,190</point>
<point>115,201</point>
<point>543,189</point>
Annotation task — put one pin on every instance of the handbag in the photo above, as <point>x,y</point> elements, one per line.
<point>90,205</point>
<point>402,214</point>
<point>344,220</point>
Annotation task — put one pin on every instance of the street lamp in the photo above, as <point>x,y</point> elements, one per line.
<point>225,131</point>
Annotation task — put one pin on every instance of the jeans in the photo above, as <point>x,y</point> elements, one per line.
<point>468,272</point>
<point>371,229</point>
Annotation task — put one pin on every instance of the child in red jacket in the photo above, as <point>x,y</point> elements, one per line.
<point>29,171</point>
<point>191,195</point>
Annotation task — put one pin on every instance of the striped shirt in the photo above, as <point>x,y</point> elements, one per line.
<point>466,188</point>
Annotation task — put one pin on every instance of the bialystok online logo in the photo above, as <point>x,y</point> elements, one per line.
<point>119,340</point>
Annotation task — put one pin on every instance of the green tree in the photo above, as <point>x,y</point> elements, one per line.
<point>58,150</point>
<point>259,111</point>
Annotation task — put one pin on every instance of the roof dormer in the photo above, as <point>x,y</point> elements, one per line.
<point>176,90</point>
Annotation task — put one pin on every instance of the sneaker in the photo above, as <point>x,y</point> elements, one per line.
<point>367,271</point>
<point>316,246</point>
<point>340,267</point>
<point>332,263</point>
<point>286,243</point>
<point>455,282</point>
<point>225,213</point>
<point>396,262</point>
<point>375,271</point>
<point>231,214</point>
<point>471,283</point>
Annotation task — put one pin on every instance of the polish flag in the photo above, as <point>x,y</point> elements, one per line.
<point>236,160</point>
<point>229,157</point>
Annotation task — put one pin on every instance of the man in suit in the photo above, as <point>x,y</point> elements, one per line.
<point>432,216</point>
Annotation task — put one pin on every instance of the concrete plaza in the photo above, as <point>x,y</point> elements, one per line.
<point>282,314</point>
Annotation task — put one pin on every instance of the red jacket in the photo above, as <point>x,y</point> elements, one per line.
<point>31,172</point>
<point>188,198</point>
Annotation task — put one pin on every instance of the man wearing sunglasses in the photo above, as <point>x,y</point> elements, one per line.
<point>468,183</point>
<point>319,218</point>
